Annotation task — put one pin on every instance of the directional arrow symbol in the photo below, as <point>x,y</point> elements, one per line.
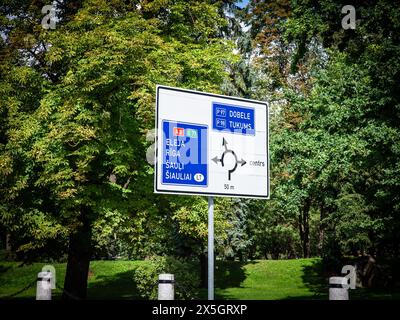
<point>224,143</point>
<point>216,160</point>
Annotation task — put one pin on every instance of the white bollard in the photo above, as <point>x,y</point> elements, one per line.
<point>43,286</point>
<point>336,289</point>
<point>166,286</point>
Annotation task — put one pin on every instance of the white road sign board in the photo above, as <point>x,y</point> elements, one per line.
<point>211,144</point>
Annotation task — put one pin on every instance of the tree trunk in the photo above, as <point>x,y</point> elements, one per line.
<point>301,230</point>
<point>304,228</point>
<point>321,228</point>
<point>79,255</point>
<point>8,242</point>
<point>306,216</point>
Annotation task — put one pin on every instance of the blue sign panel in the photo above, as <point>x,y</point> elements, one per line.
<point>184,149</point>
<point>233,119</point>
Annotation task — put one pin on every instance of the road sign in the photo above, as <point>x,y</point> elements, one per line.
<point>233,119</point>
<point>211,144</point>
<point>185,153</point>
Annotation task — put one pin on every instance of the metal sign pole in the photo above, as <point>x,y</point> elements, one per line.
<point>210,248</point>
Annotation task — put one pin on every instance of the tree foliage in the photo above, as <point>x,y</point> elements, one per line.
<point>73,142</point>
<point>77,103</point>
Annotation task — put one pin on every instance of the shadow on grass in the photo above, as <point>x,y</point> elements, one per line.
<point>315,279</point>
<point>374,294</point>
<point>229,274</point>
<point>232,274</point>
<point>120,286</point>
<point>4,269</point>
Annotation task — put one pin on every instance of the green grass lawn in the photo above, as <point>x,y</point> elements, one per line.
<point>260,280</point>
<point>269,279</point>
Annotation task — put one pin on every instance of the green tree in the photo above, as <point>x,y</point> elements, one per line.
<point>335,120</point>
<point>77,155</point>
<point>372,52</point>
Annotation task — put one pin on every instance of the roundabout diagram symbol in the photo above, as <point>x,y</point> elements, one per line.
<point>222,160</point>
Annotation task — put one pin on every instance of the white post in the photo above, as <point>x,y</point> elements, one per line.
<point>210,248</point>
<point>336,289</point>
<point>166,286</point>
<point>43,286</point>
